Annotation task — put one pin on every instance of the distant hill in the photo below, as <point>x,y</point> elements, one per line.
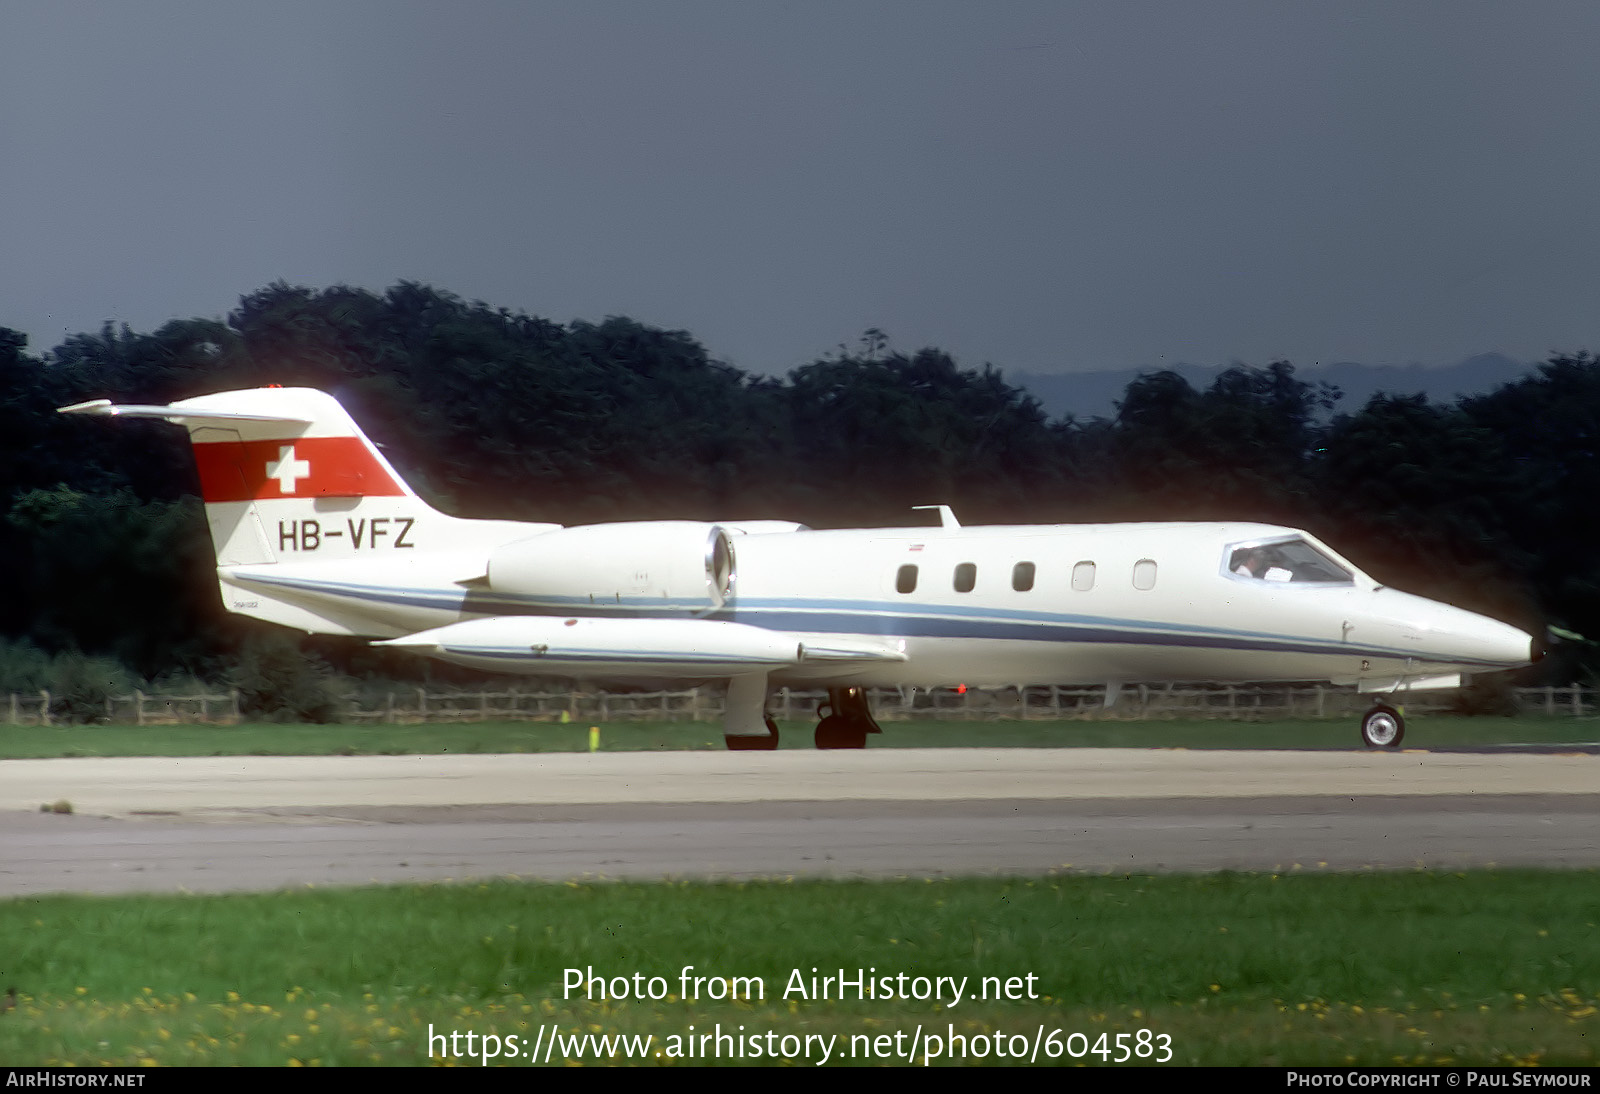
<point>1095,394</point>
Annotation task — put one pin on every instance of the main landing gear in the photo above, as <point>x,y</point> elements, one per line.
<point>755,744</point>
<point>846,719</point>
<point>745,715</point>
<point>1383,727</point>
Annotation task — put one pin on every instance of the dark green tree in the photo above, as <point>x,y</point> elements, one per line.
<point>876,436</point>
<point>1239,450</point>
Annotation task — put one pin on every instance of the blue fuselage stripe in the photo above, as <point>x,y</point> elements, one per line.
<point>879,620</point>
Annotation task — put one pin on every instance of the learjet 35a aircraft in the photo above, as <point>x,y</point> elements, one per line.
<point>314,530</point>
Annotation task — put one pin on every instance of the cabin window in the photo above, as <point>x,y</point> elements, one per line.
<point>1022,576</point>
<point>1287,560</point>
<point>966,577</point>
<point>906,580</point>
<point>1083,577</point>
<point>1144,574</point>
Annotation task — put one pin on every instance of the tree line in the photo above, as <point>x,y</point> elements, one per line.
<point>1485,502</point>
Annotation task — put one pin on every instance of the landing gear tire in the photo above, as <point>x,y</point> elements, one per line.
<point>754,744</point>
<point>845,719</point>
<point>1383,727</point>
<point>835,731</point>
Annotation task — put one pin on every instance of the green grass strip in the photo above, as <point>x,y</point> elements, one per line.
<point>1434,731</point>
<point>1377,968</point>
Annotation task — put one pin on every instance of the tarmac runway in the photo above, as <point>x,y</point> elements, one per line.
<point>235,823</point>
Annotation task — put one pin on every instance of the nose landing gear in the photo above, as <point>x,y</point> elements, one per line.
<point>1383,727</point>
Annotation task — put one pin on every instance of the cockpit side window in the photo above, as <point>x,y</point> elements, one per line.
<point>1292,561</point>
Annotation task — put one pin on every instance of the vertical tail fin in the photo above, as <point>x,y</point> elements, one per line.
<point>287,475</point>
<point>312,527</point>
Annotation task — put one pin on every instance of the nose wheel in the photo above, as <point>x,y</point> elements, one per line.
<point>1383,727</point>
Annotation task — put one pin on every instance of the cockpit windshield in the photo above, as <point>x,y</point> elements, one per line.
<point>1290,560</point>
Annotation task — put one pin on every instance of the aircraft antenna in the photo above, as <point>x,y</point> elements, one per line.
<point>947,519</point>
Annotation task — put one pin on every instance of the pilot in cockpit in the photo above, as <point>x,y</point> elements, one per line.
<point>1255,563</point>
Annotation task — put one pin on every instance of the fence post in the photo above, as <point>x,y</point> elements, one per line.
<point>1152,700</point>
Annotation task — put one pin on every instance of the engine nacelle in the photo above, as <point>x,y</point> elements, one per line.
<point>675,563</point>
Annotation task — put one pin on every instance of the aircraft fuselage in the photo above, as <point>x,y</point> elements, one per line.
<point>313,529</point>
<point>977,605</point>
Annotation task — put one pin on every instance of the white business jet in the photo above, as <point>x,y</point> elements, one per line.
<point>314,530</point>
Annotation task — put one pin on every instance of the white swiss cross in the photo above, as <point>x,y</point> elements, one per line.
<point>288,470</point>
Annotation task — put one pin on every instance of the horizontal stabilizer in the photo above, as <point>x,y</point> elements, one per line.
<point>105,408</point>
<point>273,444</point>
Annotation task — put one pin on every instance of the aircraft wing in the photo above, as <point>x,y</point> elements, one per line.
<point>634,648</point>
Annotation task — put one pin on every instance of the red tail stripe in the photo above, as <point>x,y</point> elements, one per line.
<point>309,467</point>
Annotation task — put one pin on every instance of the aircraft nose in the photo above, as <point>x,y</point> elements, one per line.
<point>1446,635</point>
<point>1457,635</point>
<point>1505,645</point>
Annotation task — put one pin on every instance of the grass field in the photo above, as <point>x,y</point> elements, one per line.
<point>1375,968</point>
<point>1428,731</point>
<point>1487,968</point>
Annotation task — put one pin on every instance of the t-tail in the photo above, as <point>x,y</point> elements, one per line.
<point>295,494</point>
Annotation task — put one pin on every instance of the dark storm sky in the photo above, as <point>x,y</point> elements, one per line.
<point>1047,186</point>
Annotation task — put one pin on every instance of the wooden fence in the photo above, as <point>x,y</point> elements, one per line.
<point>412,705</point>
